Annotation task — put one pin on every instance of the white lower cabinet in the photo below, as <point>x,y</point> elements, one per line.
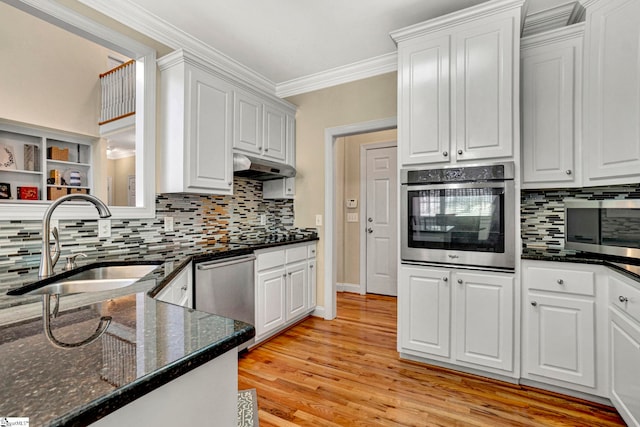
<point>285,287</point>
<point>180,290</point>
<point>563,334</point>
<point>624,347</point>
<point>456,316</point>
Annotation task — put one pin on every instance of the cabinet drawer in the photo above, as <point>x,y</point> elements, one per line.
<point>269,260</point>
<point>560,280</point>
<point>299,253</point>
<point>625,296</point>
<point>311,251</point>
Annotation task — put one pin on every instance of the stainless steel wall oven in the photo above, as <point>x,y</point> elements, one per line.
<point>463,216</point>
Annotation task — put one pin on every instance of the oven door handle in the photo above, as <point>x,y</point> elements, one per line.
<point>457,185</point>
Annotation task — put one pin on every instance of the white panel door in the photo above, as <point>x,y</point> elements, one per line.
<point>625,359</point>
<point>424,100</point>
<point>484,319</point>
<point>612,91</point>
<point>381,224</point>
<point>209,133</point>
<point>275,134</point>
<point>424,304</point>
<point>247,123</point>
<point>550,108</point>
<point>483,112</point>
<point>297,284</point>
<point>560,338</point>
<point>270,301</point>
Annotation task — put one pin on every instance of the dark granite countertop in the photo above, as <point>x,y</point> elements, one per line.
<point>147,344</point>
<point>630,267</point>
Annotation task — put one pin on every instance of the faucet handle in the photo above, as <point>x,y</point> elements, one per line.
<point>71,261</point>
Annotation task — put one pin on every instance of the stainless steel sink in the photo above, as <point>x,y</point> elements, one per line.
<point>96,279</point>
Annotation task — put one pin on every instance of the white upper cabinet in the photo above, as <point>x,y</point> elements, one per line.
<point>275,134</point>
<point>612,92</point>
<point>458,85</point>
<point>551,66</point>
<point>196,131</point>
<point>247,124</point>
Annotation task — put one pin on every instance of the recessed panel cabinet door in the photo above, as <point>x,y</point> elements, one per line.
<point>247,123</point>
<point>297,288</point>
<point>275,134</point>
<point>424,299</point>
<point>270,310</point>
<point>424,100</point>
<point>209,135</point>
<point>484,319</point>
<point>612,92</point>
<point>484,102</point>
<point>625,359</point>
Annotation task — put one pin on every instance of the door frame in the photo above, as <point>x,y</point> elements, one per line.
<point>363,207</point>
<point>330,136</point>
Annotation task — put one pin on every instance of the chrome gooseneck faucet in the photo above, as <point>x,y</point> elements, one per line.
<point>46,261</point>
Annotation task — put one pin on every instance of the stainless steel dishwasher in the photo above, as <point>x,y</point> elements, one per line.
<point>226,287</point>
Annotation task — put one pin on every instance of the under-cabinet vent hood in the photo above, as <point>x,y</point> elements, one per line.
<point>260,169</point>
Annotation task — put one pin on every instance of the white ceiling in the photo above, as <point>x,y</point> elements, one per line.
<point>288,40</point>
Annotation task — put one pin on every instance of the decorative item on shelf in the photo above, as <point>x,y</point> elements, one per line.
<point>31,157</point>
<point>7,157</point>
<point>28,193</point>
<point>56,176</point>
<point>5,190</point>
<point>72,177</point>
<point>78,191</point>
<point>57,153</point>
<point>54,193</point>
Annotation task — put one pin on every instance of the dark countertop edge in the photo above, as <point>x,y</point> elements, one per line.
<point>105,405</point>
<point>607,261</point>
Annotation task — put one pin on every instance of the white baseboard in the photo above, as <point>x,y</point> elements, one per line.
<point>348,287</point>
<point>318,312</point>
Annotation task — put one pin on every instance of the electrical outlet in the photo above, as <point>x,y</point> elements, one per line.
<point>104,228</point>
<point>318,220</point>
<point>263,219</point>
<point>168,224</point>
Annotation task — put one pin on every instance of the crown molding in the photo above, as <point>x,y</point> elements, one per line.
<point>382,64</point>
<point>552,18</point>
<point>141,20</point>
<point>553,36</point>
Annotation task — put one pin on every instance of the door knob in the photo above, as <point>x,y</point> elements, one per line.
<point>623,299</point>
<point>370,219</point>
<point>369,230</point>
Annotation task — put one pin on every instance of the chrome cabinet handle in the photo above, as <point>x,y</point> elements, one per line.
<point>445,153</point>
<point>445,279</point>
<point>534,303</point>
<point>460,281</point>
<point>369,230</point>
<point>459,151</point>
<point>560,282</point>
<point>266,149</point>
<point>623,299</point>
<point>311,266</point>
<point>568,171</point>
<point>284,275</point>
<point>370,219</point>
<point>289,273</point>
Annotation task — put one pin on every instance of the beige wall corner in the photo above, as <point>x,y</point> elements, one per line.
<point>356,102</point>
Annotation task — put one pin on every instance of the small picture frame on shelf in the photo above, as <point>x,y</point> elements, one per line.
<point>5,190</point>
<point>7,157</point>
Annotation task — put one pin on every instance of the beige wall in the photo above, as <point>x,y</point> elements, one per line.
<point>355,102</point>
<point>120,169</point>
<point>348,187</point>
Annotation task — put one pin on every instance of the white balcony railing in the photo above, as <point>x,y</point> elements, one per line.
<point>118,92</point>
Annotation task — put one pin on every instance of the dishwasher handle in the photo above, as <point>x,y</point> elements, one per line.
<point>225,262</point>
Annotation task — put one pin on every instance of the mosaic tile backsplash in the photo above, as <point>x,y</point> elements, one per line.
<point>542,214</point>
<point>198,220</point>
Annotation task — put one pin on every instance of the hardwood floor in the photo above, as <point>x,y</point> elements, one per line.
<point>347,372</point>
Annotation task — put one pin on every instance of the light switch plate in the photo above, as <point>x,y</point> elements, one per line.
<point>352,217</point>
<point>104,228</point>
<point>263,219</point>
<point>168,224</point>
<point>319,219</point>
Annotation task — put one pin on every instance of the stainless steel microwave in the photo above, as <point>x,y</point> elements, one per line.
<point>609,227</point>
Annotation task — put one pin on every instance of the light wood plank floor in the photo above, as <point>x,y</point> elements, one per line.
<point>347,372</point>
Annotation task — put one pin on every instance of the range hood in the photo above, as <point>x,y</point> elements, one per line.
<point>260,169</point>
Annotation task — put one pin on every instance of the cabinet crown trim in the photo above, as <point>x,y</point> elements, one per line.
<point>553,36</point>
<point>463,16</point>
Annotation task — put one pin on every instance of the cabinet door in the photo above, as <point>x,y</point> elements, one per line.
<point>312,283</point>
<point>424,298</point>
<point>424,100</point>
<point>625,359</point>
<point>208,136</point>
<point>484,107</point>
<point>247,123</point>
<point>297,284</point>
<point>484,319</point>
<point>274,134</point>
<point>270,302</point>
<point>612,92</point>
<point>551,111</point>
<point>560,338</point>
